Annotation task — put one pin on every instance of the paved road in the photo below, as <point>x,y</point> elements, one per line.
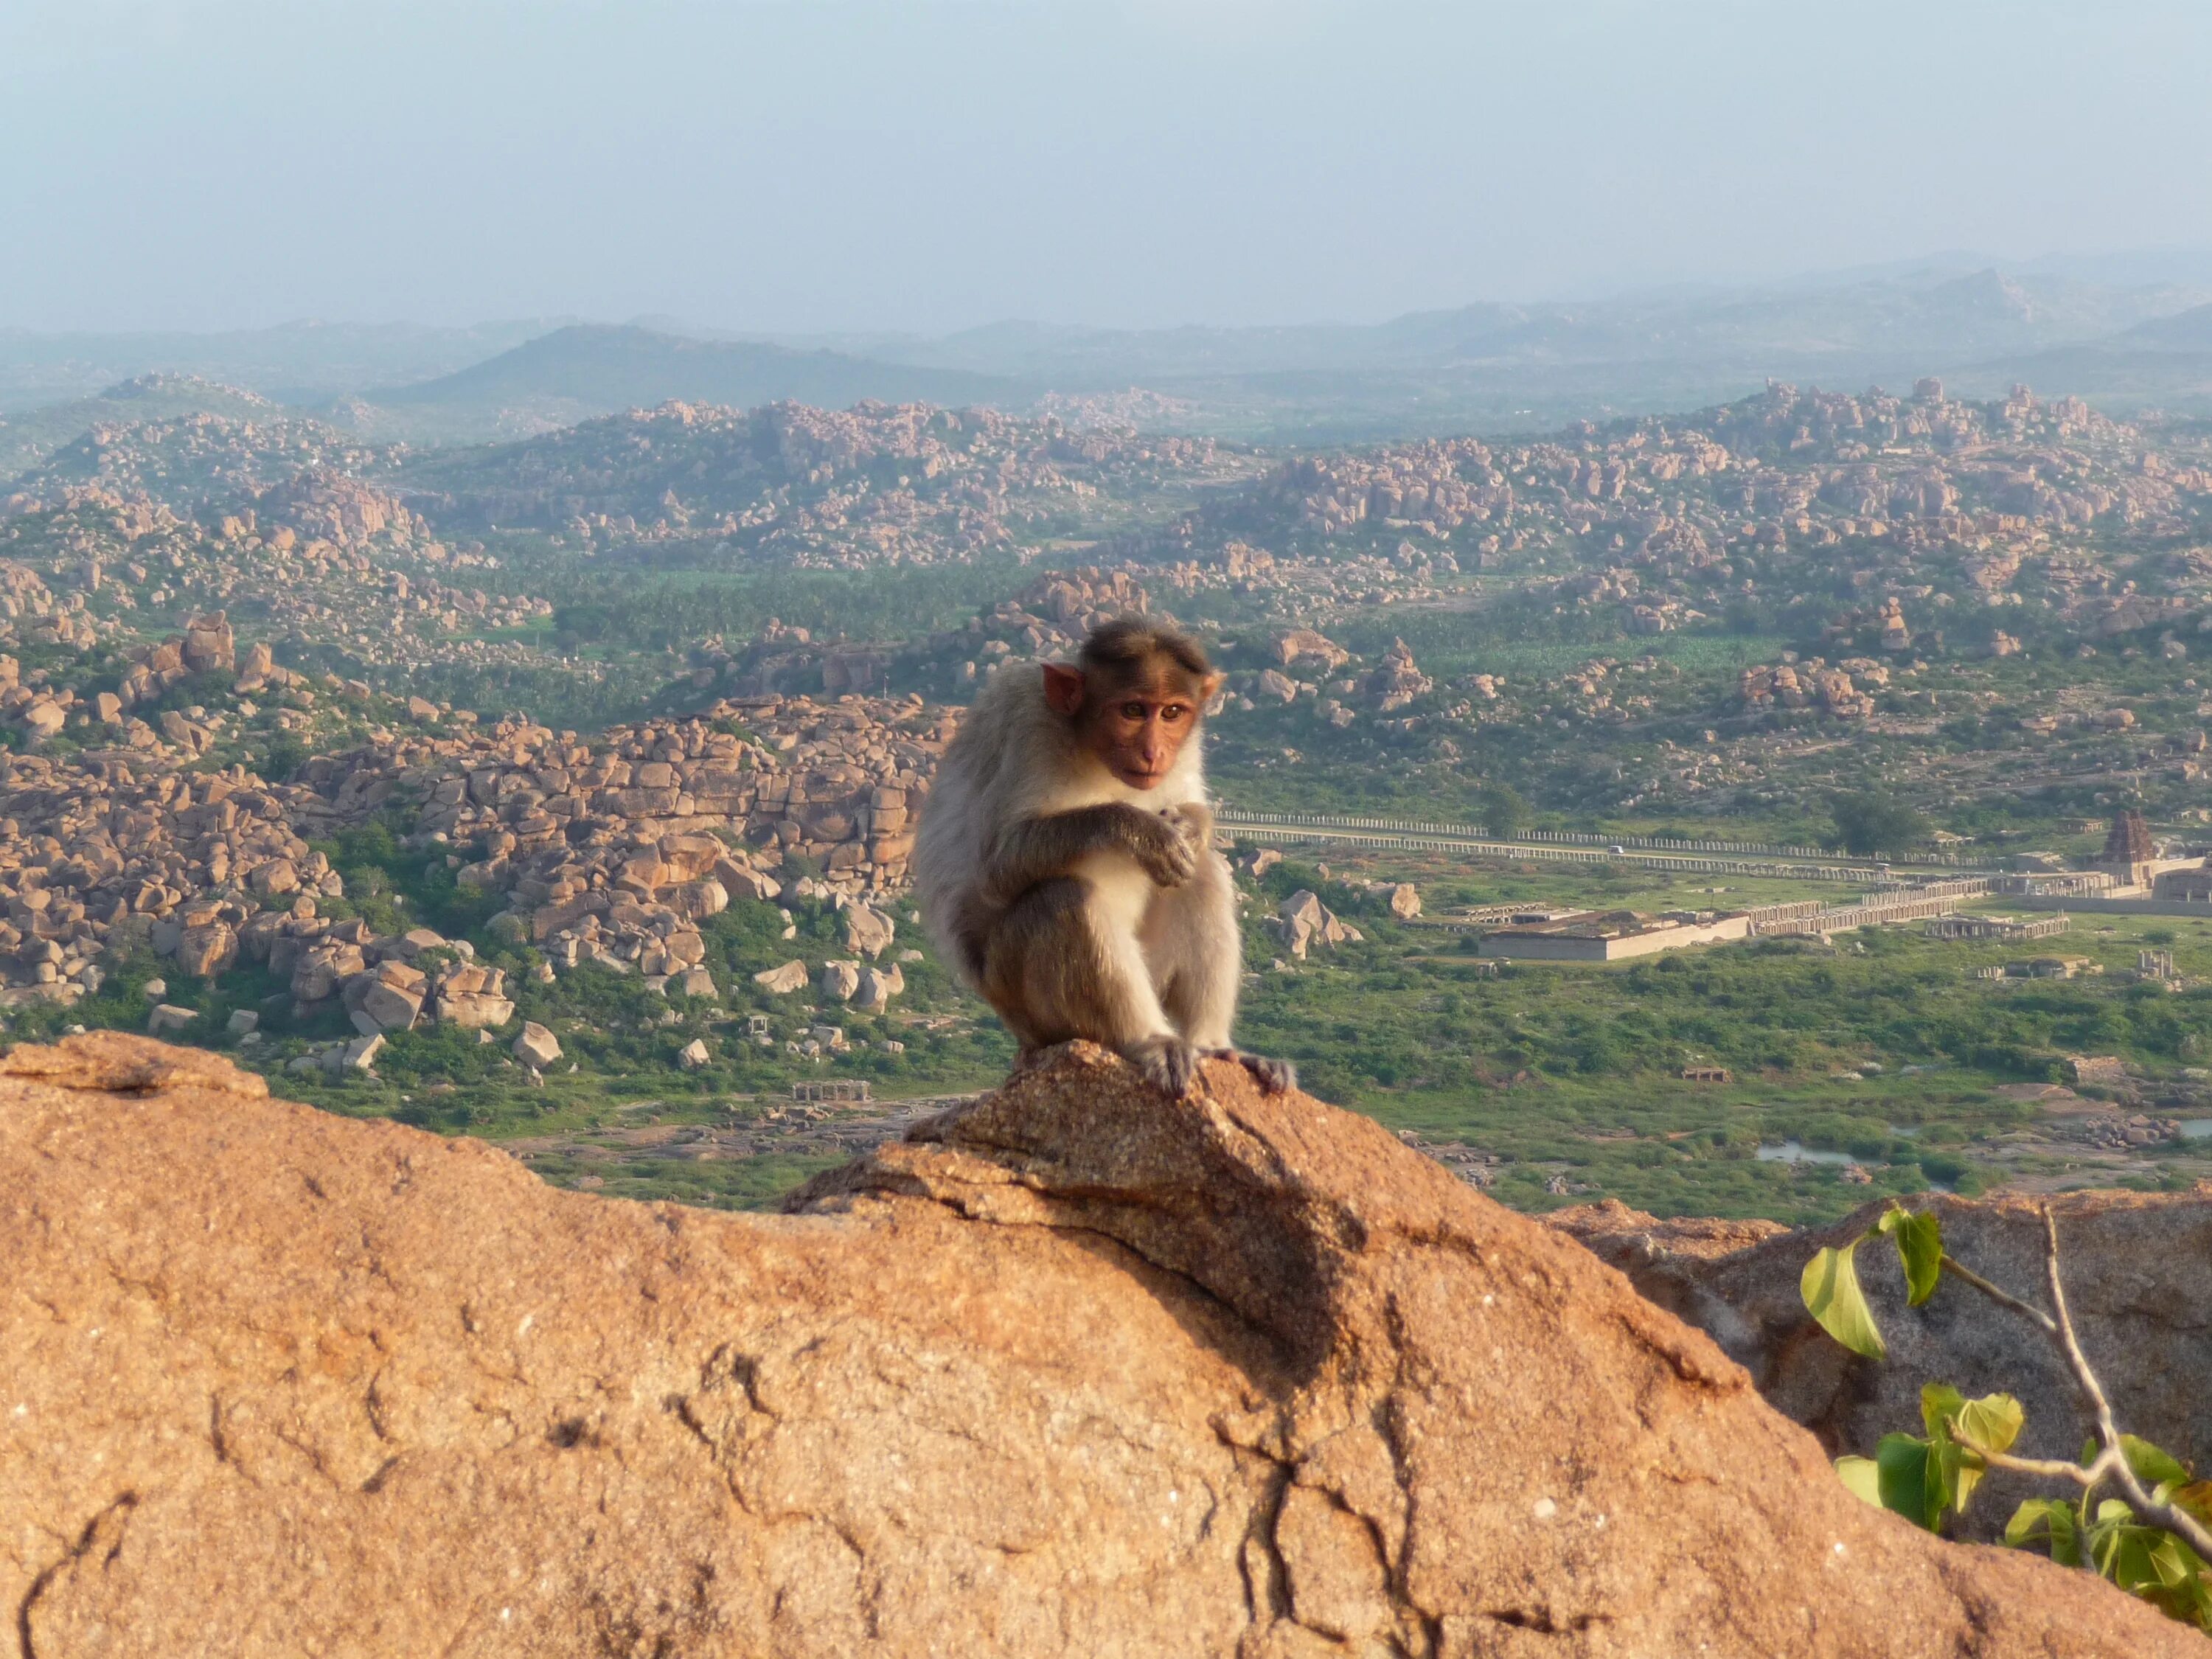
<point>1442,838</point>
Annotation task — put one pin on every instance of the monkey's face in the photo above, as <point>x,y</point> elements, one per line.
<point>1139,732</point>
<point>1135,719</point>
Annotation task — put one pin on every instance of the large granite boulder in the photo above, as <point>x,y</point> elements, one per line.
<point>1074,1371</point>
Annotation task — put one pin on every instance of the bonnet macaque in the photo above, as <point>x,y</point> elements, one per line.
<point>1065,862</point>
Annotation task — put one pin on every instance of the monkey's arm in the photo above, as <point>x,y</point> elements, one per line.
<point>1036,850</point>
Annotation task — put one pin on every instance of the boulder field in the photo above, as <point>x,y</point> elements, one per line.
<point>1073,1369</point>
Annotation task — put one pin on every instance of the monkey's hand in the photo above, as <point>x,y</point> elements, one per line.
<point>1163,847</point>
<point>1193,821</point>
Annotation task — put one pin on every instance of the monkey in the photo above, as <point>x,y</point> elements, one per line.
<point>1065,863</point>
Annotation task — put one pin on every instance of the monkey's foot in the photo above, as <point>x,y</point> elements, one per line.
<point>1170,1064</point>
<point>1274,1077</point>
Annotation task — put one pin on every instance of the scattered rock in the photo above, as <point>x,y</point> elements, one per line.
<point>537,1046</point>
<point>471,997</point>
<point>1304,921</point>
<point>783,981</point>
<point>868,932</point>
<point>876,986</point>
<point>391,996</point>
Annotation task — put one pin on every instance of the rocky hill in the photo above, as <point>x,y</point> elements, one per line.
<point>292,362</point>
<point>28,437</point>
<point>1073,1369</point>
<point>612,847</point>
<point>588,369</point>
<point>824,487</point>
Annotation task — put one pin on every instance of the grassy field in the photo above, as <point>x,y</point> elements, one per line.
<point>1885,1051</point>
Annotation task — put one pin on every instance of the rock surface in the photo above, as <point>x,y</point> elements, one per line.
<point>2137,1270</point>
<point>1075,1370</point>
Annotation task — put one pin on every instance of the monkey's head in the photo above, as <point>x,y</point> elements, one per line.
<point>1134,697</point>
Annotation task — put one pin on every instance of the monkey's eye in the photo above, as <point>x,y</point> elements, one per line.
<point>1174,711</point>
<point>1132,711</point>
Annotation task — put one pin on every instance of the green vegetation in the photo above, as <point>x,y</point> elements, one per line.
<point>2154,1540</point>
<point>1503,811</point>
<point>1884,1050</point>
<point>1870,825</point>
<point>606,613</point>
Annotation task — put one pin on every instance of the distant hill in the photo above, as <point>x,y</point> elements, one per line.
<point>2121,375</point>
<point>586,370</point>
<point>1921,320</point>
<point>2132,330</point>
<point>28,440</point>
<point>2186,331</point>
<point>293,363</point>
<point>2161,362</point>
<point>1501,366</point>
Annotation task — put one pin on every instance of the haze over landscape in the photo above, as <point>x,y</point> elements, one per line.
<point>1703,515</point>
<point>1302,219</point>
<point>861,165</point>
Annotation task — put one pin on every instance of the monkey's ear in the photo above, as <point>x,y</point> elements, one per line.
<point>1209,689</point>
<point>1063,689</point>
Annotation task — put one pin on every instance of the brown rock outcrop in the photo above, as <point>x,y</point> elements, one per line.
<point>1076,1371</point>
<point>2138,1275</point>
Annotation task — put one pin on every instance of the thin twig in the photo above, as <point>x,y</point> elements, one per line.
<point>2093,1392</point>
<point>2084,1475</point>
<point>2002,1298</point>
<point>2185,1526</point>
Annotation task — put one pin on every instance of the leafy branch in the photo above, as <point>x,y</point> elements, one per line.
<point>2154,1540</point>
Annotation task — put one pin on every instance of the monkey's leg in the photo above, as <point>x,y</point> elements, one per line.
<point>1064,962</point>
<point>1194,949</point>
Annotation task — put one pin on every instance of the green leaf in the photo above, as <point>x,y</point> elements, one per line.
<point>1919,1239</point>
<point>2059,1524</point>
<point>2129,1560</point>
<point>2177,1567</point>
<point>2152,1466</point>
<point>2196,1498</point>
<point>1862,1475</point>
<point>1830,1289</point>
<point>1990,1423</point>
<point>1902,1471</point>
<point>1939,1403</point>
<point>1960,1431</point>
<point>1957,1472</point>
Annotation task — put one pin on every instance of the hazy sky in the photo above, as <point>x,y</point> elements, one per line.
<point>831,164</point>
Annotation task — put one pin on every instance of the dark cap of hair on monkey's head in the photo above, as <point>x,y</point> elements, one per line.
<point>1127,642</point>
